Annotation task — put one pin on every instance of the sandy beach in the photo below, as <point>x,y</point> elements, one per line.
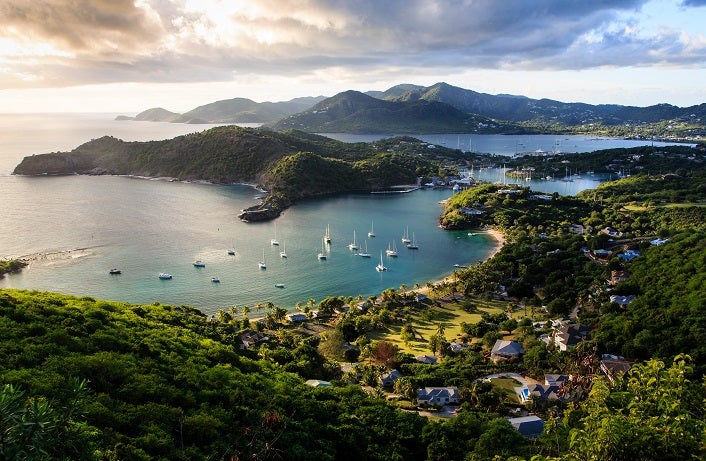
<point>496,234</point>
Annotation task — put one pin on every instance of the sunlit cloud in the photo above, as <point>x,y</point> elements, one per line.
<point>61,43</point>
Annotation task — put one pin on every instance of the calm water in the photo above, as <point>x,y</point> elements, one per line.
<point>510,144</point>
<point>74,229</point>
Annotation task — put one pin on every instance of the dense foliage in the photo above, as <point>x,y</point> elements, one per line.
<point>12,265</point>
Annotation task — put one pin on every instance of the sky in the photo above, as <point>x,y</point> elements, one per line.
<point>125,56</point>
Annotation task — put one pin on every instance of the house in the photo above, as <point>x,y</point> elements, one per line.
<point>470,211</point>
<point>613,366</point>
<point>658,241</point>
<point>457,347</point>
<point>611,232</point>
<point>622,301</point>
<point>555,380</point>
<point>602,254</point>
<point>568,336</point>
<point>629,255</point>
<point>296,317</point>
<point>388,378</point>
<point>618,276</point>
<point>505,350</point>
<point>543,392</point>
<point>529,426</point>
<point>577,229</point>
<point>428,359</point>
<point>437,395</point>
<point>250,338</point>
<point>317,383</point>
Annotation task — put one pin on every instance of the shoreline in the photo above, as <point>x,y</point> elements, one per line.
<point>500,242</point>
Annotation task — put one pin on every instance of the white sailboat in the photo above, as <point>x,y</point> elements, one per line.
<point>413,244</point>
<point>380,267</point>
<point>354,245</point>
<point>262,264</point>
<point>283,253</point>
<point>372,230</point>
<point>327,235</point>
<point>322,254</point>
<point>405,236</point>
<point>274,241</point>
<point>391,251</point>
<point>364,254</point>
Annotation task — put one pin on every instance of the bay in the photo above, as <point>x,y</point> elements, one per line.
<point>502,144</point>
<point>73,229</point>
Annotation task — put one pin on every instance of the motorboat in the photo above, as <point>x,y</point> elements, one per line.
<point>114,272</point>
<point>215,280</point>
<point>279,285</point>
<point>199,263</point>
<point>165,276</point>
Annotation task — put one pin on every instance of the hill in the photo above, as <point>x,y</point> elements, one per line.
<point>292,165</point>
<point>235,110</point>
<point>355,112</point>
<point>519,109</point>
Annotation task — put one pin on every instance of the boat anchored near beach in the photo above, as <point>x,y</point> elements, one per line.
<point>262,264</point>
<point>371,234</point>
<point>364,253</point>
<point>413,244</point>
<point>114,272</point>
<point>199,263</point>
<point>322,254</point>
<point>405,236</point>
<point>283,253</point>
<point>165,276</point>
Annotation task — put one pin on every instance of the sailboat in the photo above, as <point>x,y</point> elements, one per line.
<point>274,241</point>
<point>372,231</point>
<point>322,255</point>
<point>413,244</point>
<point>364,254</point>
<point>380,267</point>
<point>354,245</point>
<point>283,253</point>
<point>262,264</point>
<point>405,236</point>
<point>327,235</point>
<point>391,251</point>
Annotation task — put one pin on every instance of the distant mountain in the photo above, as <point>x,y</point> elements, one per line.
<point>236,110</point>
<point>355,112</point>
<point>522,109</point>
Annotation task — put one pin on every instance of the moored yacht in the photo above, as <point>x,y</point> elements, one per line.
<point>391,250</point>
<point>165,276</point>
<point>380,267</point>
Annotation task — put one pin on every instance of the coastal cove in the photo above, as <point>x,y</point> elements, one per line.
<point>73,229</point>
<point>90,224</point>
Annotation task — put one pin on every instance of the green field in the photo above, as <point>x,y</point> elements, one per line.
<point>451,315</point>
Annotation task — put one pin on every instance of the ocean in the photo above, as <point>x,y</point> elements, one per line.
<point>74,229</point>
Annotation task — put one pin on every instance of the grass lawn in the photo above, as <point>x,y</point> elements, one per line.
<point>450,315</point>
<point>507,387</point>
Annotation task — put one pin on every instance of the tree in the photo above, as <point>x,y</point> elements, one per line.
<point>331,345</point>
<point>37,429</point>
<point>656,413</point>
<point>384,352</point>
<point>508,325</point>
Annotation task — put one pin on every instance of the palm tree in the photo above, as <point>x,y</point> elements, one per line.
<point>245,310</point>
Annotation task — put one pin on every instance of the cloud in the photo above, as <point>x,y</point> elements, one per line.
<point>85,42</point>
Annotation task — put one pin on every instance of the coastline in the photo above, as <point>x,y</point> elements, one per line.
<point>500,242</point>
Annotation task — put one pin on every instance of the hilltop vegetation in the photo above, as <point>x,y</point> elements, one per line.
<point>90,379</point>
<point>292,165</point>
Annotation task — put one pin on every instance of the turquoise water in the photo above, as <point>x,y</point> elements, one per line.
<point>74,229</point>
